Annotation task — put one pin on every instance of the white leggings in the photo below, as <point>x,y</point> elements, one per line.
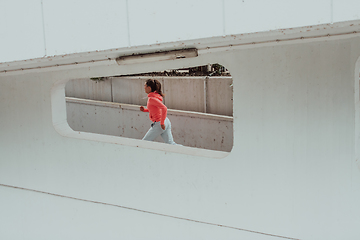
<point>156,130</point>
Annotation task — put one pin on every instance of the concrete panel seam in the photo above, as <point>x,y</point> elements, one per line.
<point>223,17</point>
<point>128,22</point>
<point>43,23</point>
<point>331,11</point>
<point>144,211</point>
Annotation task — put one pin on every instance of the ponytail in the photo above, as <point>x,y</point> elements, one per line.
<point>155,86</point>
<point>158,87</point>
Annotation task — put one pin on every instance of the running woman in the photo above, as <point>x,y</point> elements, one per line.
<point>157,113</point>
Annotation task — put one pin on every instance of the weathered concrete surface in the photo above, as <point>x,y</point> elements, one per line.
<point>199,94</point>
<point>90,89</point>
<point>293,170</point>
<point>189,129</point>
<point>219,96</point>
<point>126,24</point>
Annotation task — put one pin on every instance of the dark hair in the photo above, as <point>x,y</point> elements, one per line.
<point>155,86</point>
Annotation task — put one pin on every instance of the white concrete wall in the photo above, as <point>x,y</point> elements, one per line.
<point>199,94</point>
<point>293,170</point>
<point>40,28</point>
<point>188,128</point>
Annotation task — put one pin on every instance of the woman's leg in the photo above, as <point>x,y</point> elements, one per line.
<point>166,134</point>
<point>153,132</point>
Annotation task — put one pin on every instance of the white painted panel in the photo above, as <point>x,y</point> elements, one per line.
<point>292,171</point>
<point>94,221</point>
<point>345,10</point>
<point>165,21</point>
<point>258,15</point>
<point>21,30</point>
<point>78,26</point>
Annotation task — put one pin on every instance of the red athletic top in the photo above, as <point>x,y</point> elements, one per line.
<point>157,110</point>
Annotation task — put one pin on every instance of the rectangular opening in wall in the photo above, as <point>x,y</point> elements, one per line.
<point>199,103</point>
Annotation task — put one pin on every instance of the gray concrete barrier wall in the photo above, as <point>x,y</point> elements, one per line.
<point>199,94</point>
<point>90,89</point>
<point>124,120</point>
